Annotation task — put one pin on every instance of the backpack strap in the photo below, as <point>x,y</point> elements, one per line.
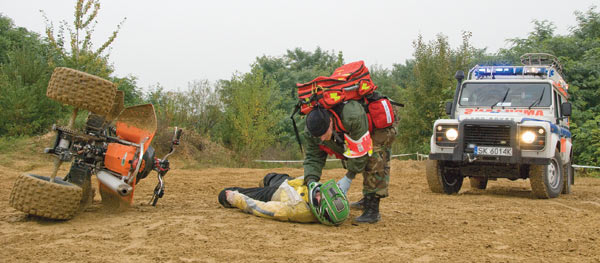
<point>395,103</point>
<point>296,109</point>
<point>339,126</point>
<point>329,151</point>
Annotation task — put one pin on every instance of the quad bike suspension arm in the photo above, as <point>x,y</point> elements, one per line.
<point>162,167</point>
<point>58,161</point>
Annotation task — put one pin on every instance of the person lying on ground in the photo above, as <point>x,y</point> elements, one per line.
<point>285,198</point>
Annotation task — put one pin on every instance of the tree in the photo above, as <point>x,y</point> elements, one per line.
<point>132,94</point>
<point>251,113</point>
<point>24,75</point>
<point>13,38</point>
<point>80,54</point>
<point>434,66</point>
<point>386,84</point>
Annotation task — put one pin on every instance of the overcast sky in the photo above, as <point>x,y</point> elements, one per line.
<point>175,42</point>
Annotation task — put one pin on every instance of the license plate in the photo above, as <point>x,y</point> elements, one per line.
<point>498,151</point>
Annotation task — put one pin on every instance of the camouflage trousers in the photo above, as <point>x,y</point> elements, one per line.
<point>376,176</point>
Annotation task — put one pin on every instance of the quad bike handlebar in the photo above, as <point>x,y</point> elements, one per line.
<point>161,166</point>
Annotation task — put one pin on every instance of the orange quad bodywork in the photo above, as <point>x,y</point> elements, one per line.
<point>134,124</point>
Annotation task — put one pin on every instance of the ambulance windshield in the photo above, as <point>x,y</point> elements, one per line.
<point>506,95</point>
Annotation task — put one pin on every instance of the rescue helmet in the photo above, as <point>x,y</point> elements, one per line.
<point>332,208</point>
<point>317,121</point>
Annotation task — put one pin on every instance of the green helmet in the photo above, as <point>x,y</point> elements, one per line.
<point>333,208</point>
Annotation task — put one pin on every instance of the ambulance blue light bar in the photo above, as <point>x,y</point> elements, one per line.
<point>483,71</point>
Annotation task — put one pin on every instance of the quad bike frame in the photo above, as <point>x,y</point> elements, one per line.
<point>119,154</point>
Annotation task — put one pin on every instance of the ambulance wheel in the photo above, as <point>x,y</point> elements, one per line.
<point>443,179</point>
<point>478,182</point>
<point>547,181</point>
<point>569,175</point>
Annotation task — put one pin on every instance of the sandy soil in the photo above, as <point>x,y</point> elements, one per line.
<point>501,224</point>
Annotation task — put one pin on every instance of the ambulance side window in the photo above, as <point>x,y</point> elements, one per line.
<point>556,106</point>
<point>560,102</point>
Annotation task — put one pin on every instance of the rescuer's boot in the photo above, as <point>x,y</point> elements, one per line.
<point>371,212</point>
<point>360,205</point>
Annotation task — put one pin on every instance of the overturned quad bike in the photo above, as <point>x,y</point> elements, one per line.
<point>118,154</point>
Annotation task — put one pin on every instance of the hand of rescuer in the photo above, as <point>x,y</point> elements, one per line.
<point>345,182</point>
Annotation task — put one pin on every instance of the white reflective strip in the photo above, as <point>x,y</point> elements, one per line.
<point>351,154</point>
<point>347,137</point>
<point>388,115</point>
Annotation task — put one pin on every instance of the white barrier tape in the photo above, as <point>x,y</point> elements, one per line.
<point>287,161</point>
<point>300,161</point>
<point>404,154</point>
<point>398,155</point>
<point>585,166</point>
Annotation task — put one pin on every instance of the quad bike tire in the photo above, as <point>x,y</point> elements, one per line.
<point>117,106</point>
<point>547,181</point>
<point>36,195</point>
<point>81,90</point>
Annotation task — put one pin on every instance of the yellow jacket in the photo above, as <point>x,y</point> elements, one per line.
<point>289,203</point>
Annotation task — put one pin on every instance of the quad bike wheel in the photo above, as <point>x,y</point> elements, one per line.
<point>82,177</point>
<point>36,195</point>
<point>117,106</point>
<point>547,180</point>
<point>81,90</point>
<point>442,180</point>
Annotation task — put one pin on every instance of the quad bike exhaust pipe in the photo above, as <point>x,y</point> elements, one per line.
<point>113,183</point>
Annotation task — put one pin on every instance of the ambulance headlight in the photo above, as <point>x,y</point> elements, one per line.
<point>446,135</point>
<point>452,134</point>
<point>528,137</point>
<point>532,138</point>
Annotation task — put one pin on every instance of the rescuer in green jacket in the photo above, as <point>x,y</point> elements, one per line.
<point>344,132</point>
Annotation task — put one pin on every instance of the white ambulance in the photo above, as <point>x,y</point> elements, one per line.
<point>505,122</point>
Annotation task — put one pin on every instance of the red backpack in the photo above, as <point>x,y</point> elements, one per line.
<point>348,82</point>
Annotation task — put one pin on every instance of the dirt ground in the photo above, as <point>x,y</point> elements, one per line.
<point>501,224</point>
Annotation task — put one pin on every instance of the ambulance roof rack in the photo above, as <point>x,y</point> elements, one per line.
<point>541,59</point>
<point>535,65</point>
